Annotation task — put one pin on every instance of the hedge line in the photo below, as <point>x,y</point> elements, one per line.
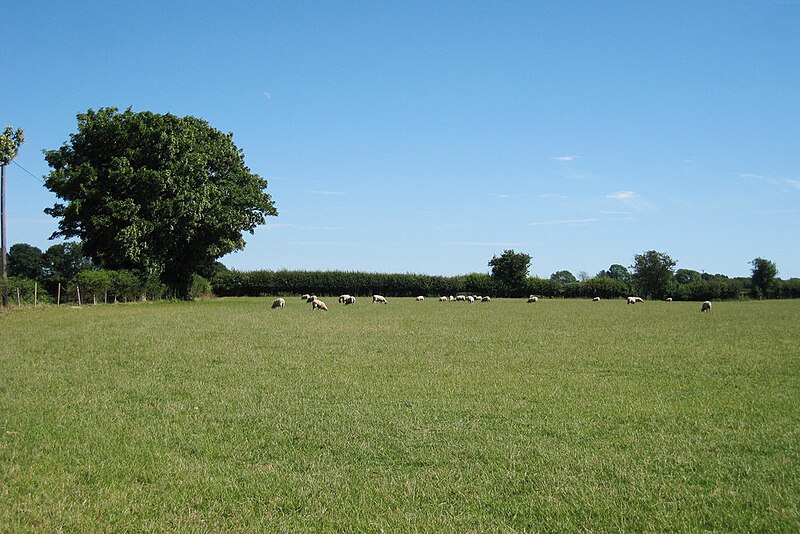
<point>259,283</point>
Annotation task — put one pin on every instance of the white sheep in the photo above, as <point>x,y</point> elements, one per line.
<point>278,303</point>
<point>311,298</point>
<point>343,298</point>
<point>669,299</point>
<point>305,296</point>
<point>533,298</point>
<point>486,299</point>
<point>470,299</point>
<point>379,298</point>
<point>451,298</point>
<point>317,304</point>
<point>350,300</point>
<point>442,299</point>
<point>420,298</point>
<point>596,299</point>
<point>631,300</point>
<point>706,306</point>
<point>461,298</point>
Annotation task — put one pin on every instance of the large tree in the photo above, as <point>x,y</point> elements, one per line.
<point>25,260</point>
<point>763,276</point>
<point>652,273</point>
<point>564,277</point>
<point>510,271</point>
<point>63,261</point>
<point>156,193</point>
<point>687,276</point>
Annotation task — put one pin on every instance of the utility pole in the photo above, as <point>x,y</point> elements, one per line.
<point>3,232</point>
<point>9,148</point>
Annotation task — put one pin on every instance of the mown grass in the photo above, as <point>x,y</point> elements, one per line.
<point>567,415</point>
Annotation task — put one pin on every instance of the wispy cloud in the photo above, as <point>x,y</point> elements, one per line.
<point>785,185</point>
<point>267,95</point>
<point>564,158</point>
<point>482,244</point>
<point>552,195</point>
<point>573,222</point>
<point>503,195</point>
<point>622,195</point>
<point>328,193</point>
<point>632,200</point>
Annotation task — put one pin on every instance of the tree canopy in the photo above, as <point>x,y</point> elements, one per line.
<point>652,272</point>
<point>510,269</point>
<point>25,260</point>
<point>156,193</point>
<point>763,276</point>
<point>565,277</point>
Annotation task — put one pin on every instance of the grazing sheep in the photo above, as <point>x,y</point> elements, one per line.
<point>669,299</point>
<point>461,298</point>
<point>343,298</point>
<point>278,303</point>
<point>451,298</point>
<point>420,298</point>
<point>317,304</point>
<point>350,300</point>
<point>311,298</point>
<point>596,299</point>
<point>706,306</point>
<point>379,298</point>
<point>305,296</point>
<point>631,300</point>
<point>533,298</point>
<point>442,299</point>
<point>470,299</point>
<point>486,299</point>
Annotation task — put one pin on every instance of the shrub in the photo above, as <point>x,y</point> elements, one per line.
<point>26,287</point>
<point>199,288</point>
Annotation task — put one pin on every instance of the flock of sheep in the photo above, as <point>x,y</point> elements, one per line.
<point>345,299</point>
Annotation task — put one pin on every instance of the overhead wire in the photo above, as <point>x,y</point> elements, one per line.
<point>39,179</point>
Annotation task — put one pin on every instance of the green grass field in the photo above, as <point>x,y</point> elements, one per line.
<point>563,415</point>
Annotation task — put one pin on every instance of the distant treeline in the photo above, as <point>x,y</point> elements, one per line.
<point>258,283</point>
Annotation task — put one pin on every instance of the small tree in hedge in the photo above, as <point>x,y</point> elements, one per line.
<point>510,271</point>
<point>763,277</point>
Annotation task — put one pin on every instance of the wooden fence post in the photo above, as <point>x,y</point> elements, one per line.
<point>19,304</point>
<point>78,290</point>
<point>58,298</point>
<point>35,293</point>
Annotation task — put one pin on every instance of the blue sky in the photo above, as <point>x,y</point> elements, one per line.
<point>428,137</point>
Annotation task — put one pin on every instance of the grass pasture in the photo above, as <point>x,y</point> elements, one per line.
<point>563,415</point>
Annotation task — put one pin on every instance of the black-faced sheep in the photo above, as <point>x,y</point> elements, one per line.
<point>379,298</point>
<point>278,303</point>
<point>706,306</point>
<point>350,300</point>
<point>533,298</point>
<point>317,304</point>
